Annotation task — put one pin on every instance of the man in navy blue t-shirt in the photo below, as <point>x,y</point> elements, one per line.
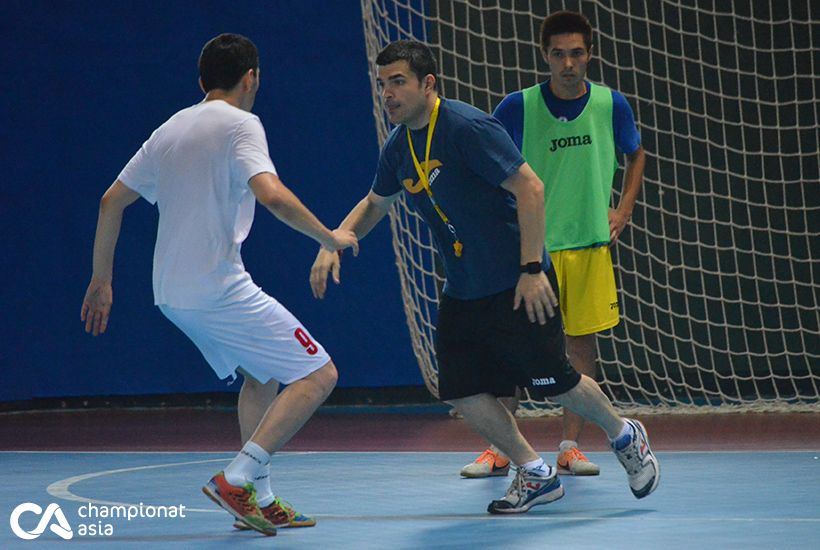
<point>484,206</point>
<point>580,227</point>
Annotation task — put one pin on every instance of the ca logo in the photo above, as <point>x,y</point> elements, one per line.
<point>61,529</point>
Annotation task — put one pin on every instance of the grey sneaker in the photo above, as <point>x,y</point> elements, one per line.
<point>527,491</point>
<point>639,462</point>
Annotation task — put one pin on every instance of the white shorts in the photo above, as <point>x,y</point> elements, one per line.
<point>258,334</point>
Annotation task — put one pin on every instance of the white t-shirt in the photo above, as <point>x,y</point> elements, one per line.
<point>196,168</point>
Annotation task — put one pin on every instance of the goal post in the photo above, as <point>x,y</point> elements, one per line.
<point>718,271</point>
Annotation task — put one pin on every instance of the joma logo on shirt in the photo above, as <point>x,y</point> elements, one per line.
<point>416,186</point>
<point>548,381</point>
<point>571,141</point>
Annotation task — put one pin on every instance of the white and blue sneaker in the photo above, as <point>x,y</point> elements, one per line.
<point>638,460</point>
<point>528,489</point>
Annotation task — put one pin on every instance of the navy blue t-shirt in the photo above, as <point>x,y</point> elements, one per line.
<point>511,114</point>
<point>471,155</point>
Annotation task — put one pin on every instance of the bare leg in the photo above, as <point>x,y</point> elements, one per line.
<point>293,407</point>
<point>490,419</point>
<point>588,401</point>
<point>254,400</point>
<point>511,404</point>
<point>583,356</point>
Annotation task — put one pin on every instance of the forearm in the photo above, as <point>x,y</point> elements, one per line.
<point>105,241</point>
<point>289,210</point>
<point>633,179</point>
<point>531,222</point>
<point>529,197</point>
<point>363,218</point>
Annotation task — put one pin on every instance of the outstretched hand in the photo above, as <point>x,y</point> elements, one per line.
<point>343,238</point>
<point>97,306</point>
<point>537,295</point>
<point>326,262</point>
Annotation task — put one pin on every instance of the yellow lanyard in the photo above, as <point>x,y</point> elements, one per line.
<point>424,176</point>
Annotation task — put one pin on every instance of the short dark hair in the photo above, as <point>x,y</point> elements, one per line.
<point>224,59</point>
<point>565,22</point>
<point>417,55</point>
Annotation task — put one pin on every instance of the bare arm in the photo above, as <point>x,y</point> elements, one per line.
<point>534,290</point>
<point>633,178</point>
<point>282,203</point>
<point>99,295</point>
<point>361,220</point>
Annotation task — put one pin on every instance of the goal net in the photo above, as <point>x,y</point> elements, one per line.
<point>717,273</point>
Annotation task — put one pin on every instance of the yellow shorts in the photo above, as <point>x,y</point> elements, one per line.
<point>586,281</point>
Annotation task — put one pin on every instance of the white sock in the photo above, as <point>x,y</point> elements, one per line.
<point>264,494</point>
<point>566,445</point>
<point>245,465</point>
<point>537,467</point>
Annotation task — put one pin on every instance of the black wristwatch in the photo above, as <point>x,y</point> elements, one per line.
<point>533,268</point>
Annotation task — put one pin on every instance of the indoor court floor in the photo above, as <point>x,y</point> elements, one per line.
<point>392,482</point>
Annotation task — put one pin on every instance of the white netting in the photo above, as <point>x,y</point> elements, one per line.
<point>718,270</point>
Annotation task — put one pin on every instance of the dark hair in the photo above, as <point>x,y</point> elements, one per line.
<point>565,22</point>
<point>417,55</point>
<point>225,59</point>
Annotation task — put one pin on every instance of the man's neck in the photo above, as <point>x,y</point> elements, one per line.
<point>423,119</point>
<point>568,94</point>
<point>229,98</point>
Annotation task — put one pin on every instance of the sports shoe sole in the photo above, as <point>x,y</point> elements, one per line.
<point>546,498</point>
<point>566,472</point>
<point>646,491</point>
<point>496,472</point>
<point>214,496</point>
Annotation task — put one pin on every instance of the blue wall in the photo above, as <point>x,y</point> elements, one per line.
<point>84,84</point>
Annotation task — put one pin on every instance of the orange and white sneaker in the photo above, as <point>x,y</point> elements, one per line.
<point>282,515</point>
<point>572,462</point>
<point>488,464</point>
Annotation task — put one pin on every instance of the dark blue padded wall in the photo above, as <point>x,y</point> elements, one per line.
<point>84,85</point>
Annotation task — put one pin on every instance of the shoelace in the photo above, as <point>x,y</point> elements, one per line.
<point>517,486</point>
<point>487,456</point>
<point>575,454</point>
<point>247,500</point>
<point>629,457</point>
<point>281,511</point>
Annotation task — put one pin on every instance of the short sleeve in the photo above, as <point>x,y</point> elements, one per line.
<point>627,138</point>
<point>488,150</point>
<point>140,174</point>
<point>250,148</point>
<point>510,113</point>
<point>385,182</point>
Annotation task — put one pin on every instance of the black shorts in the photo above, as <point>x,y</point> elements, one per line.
<point>484,346</point>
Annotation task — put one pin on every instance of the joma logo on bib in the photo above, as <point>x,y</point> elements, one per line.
<point>572,141</point>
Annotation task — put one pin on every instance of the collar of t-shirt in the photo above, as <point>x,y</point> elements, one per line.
<point>564,109</point>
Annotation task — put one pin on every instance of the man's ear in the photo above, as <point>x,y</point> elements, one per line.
<point>429,83</point>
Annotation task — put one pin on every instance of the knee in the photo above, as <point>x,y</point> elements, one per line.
<point>327,377</point>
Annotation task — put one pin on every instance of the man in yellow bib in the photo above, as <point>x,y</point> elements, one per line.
<point>569,131</point>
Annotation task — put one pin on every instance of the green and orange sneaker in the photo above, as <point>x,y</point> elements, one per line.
<point>282,515</point>
<point>240,502</point>
<point>488,464</point>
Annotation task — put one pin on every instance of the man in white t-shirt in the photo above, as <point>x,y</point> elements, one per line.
<point>204,168</point>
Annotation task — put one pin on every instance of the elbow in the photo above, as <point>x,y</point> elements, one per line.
<point>272,200</point>
<point>535,189</point>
